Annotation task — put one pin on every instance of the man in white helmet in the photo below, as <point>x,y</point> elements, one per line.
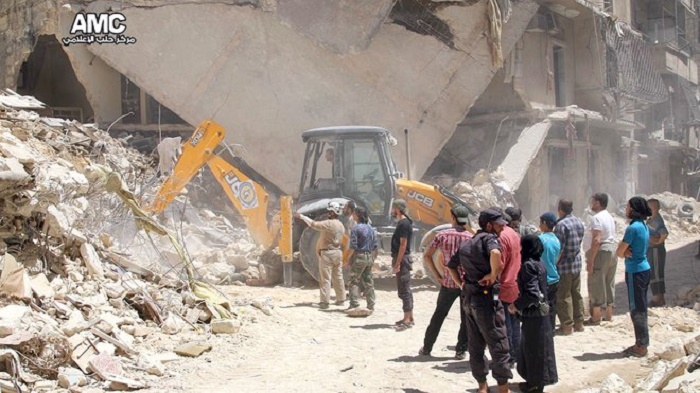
<point>330,254</point>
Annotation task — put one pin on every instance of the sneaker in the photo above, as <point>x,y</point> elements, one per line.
<point>323,306</point>
<point>460,355</point>
<point>353,306</point>
<point>339,302</point>
<point>423,352</point>
<point>635,351</point>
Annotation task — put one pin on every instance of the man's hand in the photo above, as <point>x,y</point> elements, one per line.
<point>397,268</point>
<point>297,215</point>
<point>589,266</point>
<point>512,309</point>
<point>628,253</point>
<point>488,280</point>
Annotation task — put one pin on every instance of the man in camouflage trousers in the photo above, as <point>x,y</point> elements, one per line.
<point>363,249</point>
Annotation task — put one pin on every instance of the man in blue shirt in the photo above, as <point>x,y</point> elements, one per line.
<point>363,249</point>
<point>550,256</point>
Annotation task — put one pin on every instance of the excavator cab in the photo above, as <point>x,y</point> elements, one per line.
<point>349,163</point>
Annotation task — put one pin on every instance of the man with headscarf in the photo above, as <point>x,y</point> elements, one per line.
<point>637,272</point>
<point>480,259</point>
<point>401,260</point>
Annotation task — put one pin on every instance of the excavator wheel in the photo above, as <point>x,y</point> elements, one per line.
<point>437,256</point>
<point>309,259</point>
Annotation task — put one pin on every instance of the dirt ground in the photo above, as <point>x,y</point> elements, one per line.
<point>300,348</point>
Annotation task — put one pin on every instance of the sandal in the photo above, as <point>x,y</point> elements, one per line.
<point>403,326</point>
<point>402,322</point>
<point>591,322</point>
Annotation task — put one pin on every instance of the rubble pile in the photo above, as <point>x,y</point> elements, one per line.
<point>483,191</point>
<point>78,291</point>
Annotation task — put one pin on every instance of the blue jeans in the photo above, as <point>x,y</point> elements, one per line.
<point>513,330</point>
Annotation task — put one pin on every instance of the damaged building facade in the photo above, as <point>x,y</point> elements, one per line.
<point>591,95</point>
<point>593,98</point>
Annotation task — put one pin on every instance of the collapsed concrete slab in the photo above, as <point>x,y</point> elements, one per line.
<point>267,81</point>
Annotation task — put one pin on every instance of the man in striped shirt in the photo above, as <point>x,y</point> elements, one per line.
<point>570,231</point>
<point>448,242</point>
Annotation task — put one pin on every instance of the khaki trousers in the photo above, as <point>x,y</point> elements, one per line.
<point>330,269</point>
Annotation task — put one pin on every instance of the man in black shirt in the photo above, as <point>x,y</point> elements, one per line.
<point>480,258</point>
<point>401,260</point>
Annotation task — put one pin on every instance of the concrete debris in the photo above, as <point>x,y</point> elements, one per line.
<point>69,377</point>
<point>225,326</point>
<point>692,345</point>
<point>673,350</point>
<point>686,383</point>
<point>67,246</point>
<point>615,384</point>
<point>192,350</point>
<point>662,373</point>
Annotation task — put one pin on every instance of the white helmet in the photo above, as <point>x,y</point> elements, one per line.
<point>335,208</point>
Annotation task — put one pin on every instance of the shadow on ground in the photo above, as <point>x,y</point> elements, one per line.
<point>419,359</point>
<point>595,357</point>
<point>460,367</point>
<point>374,326</point>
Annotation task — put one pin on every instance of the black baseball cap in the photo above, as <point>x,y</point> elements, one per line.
<point>493,216</point>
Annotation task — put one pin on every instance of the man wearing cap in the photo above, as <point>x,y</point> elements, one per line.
<point>401,260</point>
<point>480,259</point>
<point>516,217</point>
<point>550,256</point>
<point>330,255</point>
<point>570,231</point>
<point>448,242</point>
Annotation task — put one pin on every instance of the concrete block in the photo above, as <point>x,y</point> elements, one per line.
<point>663,372</point>
<point>41,286</point>
<point>672,350</point>
<point>192,350</point>
<point>11,318</point>
<point>225,326</point>
<point>92,261</point>
<point>615,384</point>
<point>692,345</point>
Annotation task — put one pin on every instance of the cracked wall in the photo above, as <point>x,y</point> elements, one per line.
<point>266,73</point>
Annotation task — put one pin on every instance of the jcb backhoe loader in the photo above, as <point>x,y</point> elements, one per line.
<point>341,164</point>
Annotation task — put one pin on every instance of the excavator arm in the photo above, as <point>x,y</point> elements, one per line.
<point>248,197</point>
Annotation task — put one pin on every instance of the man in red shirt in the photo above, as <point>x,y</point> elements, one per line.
<point>448,242</point>
<point>510,258</point>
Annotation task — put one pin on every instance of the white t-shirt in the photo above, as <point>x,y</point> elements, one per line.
<point>604,223</point>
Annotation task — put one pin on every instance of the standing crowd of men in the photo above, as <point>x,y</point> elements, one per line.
<point>511,282</point>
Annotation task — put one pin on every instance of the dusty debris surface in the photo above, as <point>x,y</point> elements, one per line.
<point>93,299</point>
<point>91,296</point>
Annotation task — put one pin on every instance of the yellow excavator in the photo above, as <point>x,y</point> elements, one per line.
<point>341,164</point>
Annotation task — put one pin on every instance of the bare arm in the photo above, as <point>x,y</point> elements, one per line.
<point>455,277</point>
<point>399,256</point>
<point>622,250</point>
<point>593,251</point>
<point>346,262</point>
<point>428,257</point>
<point>656,240</point>
<point>496,268</point>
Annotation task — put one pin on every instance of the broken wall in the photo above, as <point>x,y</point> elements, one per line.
<point>266,82</point>
<point>538,80</point>
<point>21,24</point>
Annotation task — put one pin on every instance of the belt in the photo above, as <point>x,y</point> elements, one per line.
<point>329,249</point>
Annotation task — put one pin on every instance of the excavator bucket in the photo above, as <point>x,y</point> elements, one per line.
<point>197,151</point>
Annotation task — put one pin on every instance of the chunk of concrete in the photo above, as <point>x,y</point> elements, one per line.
<point>240,262</point>
<point>76,324</point>
<point>692,345</point>
<point>14,279</point>
<point>41,286</point>
<point>359,312</point>
<point>192,350</point>
<point>83,352</point>
<point>690,381</point>
<point>672,350</point>
<point>11,318</point>
<point>92,261</point>
<point>615,384</point>
<point>69,377</point>
<point>662,373</point>
<point>225,326</point>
